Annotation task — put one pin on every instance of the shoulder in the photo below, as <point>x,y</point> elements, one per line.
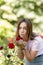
<point>38,38</point>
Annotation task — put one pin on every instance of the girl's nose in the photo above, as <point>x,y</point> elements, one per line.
<point>22,30</point>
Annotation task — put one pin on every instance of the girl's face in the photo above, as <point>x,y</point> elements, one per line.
<point>23,30</point>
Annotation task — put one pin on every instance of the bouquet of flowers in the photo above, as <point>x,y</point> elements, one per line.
<point>8,54</point>
<point>20,42</point>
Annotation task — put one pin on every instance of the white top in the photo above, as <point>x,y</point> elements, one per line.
<point>36,45</point>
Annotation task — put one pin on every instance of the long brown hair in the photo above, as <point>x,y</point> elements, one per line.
<point>28,22</point>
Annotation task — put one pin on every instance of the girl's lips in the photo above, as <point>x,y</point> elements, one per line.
<point>22,34</point>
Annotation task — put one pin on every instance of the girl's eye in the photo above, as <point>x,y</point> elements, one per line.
<point>23,28</point>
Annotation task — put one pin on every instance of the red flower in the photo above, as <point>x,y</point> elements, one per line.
<point>1,47</point>
<point>41,36</point>
<point>18,38</point>
<point>11,45</point>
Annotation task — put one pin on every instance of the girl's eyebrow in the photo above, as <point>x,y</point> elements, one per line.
<point>23,27</point>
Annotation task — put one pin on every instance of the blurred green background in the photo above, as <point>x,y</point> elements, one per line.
<point>11,10</point>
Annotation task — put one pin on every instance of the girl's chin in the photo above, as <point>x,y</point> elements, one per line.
<point>21,37</point>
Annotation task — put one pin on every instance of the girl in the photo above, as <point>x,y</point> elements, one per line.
<point>32,52</point>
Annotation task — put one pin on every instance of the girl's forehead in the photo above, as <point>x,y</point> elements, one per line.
<point>23,24</point>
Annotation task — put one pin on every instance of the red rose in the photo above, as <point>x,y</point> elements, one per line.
<point>41,36</point>
<point>18,38</point>
<point>1,47</point>
<point>11,45</point>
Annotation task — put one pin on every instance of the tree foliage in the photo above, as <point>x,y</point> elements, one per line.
<point>11,10</point>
